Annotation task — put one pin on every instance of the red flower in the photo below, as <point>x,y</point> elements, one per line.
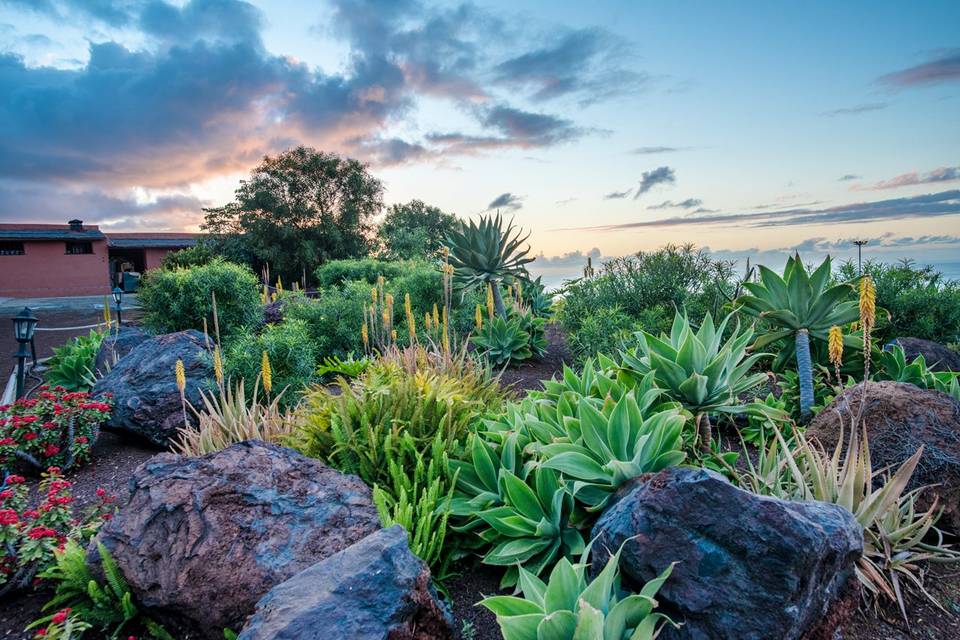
<point>6,442</point>
<point>60,616</point>
<point>82,440</point>
<point>6,493</point>
<point>16,479</point>
<point>101,491</point>
<point>8,517</point>
<point>51,450</point>
<point>30,435</point>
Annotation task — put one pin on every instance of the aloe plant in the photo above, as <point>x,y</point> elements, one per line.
<point>699,369</point>
<point>568,607</point>
<point>525,517</point>
<point>802,306</point>
<point>486,253</point>
<point>502,341</point>
<point>604,449</point>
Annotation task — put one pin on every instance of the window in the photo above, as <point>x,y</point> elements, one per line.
<point>79,248</point>
<point>11,248</point>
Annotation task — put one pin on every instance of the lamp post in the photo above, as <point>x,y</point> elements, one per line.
<point>23,325</point>
<point>118,298</point>
<point>860,244</point>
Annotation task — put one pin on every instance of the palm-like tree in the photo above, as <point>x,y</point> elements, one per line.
<point>803,306</point>
<point>486,253</point>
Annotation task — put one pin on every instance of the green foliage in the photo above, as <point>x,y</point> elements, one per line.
<point>503,341</point>
<point>418,497</point>
<point>414,230</point>
<point>762,426</point>
<point>569,607</point>
<point>300,208</point>
<point>641,291</point>
<point>333,319</point>
<point>699,369</point>
<point>487,253</point>
<point>195,256</point>
<point>107,606</point>
<point>180,299</point>
<point>892,365</point>
<point>921,303</point>
<point>72,364</point>
<point>823,391</point>
<point>349,367</point>
<point>801,307</point>
<point>521,514</point>
<point>293,359</point>
<point>335,273</point>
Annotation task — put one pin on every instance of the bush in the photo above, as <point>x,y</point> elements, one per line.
<point>920,302</point>
<point>293,358</point>
<point>645,288</point>
<point>71,366</point>
<point>180,299</point>
<point>337,272</point>
<point>333,319</point>
<point>57,428</point>
<point>603,331</point>
<point>29,537</point>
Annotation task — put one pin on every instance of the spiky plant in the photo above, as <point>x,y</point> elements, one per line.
<point>700,370</point>
<point>801,306</point>
<point>487,253</point>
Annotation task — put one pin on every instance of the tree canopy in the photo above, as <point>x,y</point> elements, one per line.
<point>414,230</point>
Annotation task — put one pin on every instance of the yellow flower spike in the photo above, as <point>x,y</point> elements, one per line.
<point>265,372</point>
<point>373,295</point>
<point>218,364</point>
<point>390,300</point>
<point>426,321</point>
<point>835,345</point>
<point>868,303</point>
<point>411,323</point>
<point>385,316</point>
<point>181,374</point>
<point>436,316</point>
<point>365,335</point>
<point>478,318</point>
<point>393,335</point>
<point>490,306</point>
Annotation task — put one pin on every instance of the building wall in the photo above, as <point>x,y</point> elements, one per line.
<point>46,270</point>
<point>153,257</point>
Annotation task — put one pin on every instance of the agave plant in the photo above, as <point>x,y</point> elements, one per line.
<point>802,306</point>
<point>486,253</point>
<point>699,370</point>
<point>604,449</point>
<point>568,607</point>
<point>524,514</point>
<point>503,341</point>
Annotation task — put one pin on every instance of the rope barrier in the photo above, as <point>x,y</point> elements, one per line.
<point>86,326</point>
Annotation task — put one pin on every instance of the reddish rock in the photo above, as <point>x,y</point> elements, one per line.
<point>901,417</point>
<point>937,356</point>
<point>200,540</point>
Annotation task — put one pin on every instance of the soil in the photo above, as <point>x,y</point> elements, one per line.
<point>115,459</point>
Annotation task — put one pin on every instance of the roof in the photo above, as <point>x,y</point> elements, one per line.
<point>48,232</point>
<point>152,240</point>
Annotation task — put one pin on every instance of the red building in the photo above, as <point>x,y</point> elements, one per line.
<point>44,260</point>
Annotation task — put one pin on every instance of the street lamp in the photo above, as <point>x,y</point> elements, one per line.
<point>860,244</point>
<point>23,326</point>
<point>118,297</point>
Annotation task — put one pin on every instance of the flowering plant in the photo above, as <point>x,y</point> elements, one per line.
<point>30,535</point>
<point>55,428</point>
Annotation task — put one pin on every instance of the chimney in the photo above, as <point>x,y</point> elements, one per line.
<point>76,225</point>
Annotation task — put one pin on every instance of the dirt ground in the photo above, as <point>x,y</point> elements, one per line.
<point>115,459</point>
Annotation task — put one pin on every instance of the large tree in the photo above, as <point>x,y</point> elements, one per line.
<point>299,208</point>
<point>414,230</point>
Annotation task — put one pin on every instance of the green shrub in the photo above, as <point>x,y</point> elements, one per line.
<point>642,291</point>
<point>603,331</point>
<point>921,303</point>
<point>336,272</point>
<point>180,299</point>
<point>72,364</point>
<point>293,358</point>
<point>502,341</point>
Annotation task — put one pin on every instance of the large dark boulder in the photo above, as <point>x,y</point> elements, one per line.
<point>900,417</point>
<point>200,540</point>
<point>937,356</point>
<point>375,589</point>
<point>749,567</point>
<point>116,345</point>
<point>144,385</point>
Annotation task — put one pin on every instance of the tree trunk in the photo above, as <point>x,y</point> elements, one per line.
<point>704,431</point>
<point>805,372</point>
<point>498,300</point>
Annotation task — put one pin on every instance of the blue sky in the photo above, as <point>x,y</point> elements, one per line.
<point>604,127</point>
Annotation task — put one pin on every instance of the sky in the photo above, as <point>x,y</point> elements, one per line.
<point>604,127</point>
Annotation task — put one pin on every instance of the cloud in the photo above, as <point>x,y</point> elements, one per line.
<point>848,177</point>
<point>940,174</point>
<point>689,203</point>
<point>945,67</point>
<point>570,259</point>
<point>647,151</point>
<point>618,195</point>
<point>583,62</point>
<point>931,205</point>
<point>506,201</point>
<point>650,179</point>
<point>857,110</point>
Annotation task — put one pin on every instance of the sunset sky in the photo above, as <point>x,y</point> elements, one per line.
<point>603,127</point>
